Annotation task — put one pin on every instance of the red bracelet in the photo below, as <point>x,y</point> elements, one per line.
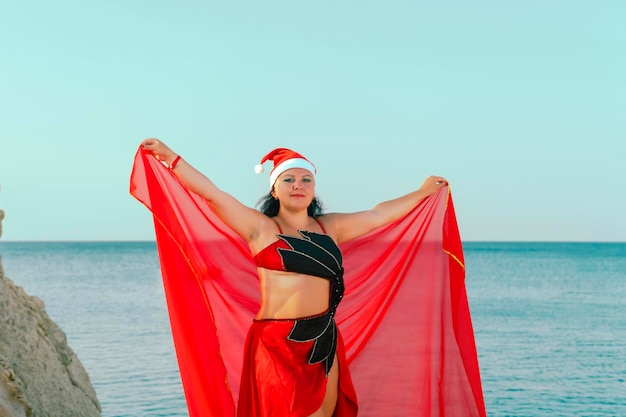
<point>174,162</point>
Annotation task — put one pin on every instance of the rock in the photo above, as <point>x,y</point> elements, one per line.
<point>40,375</point>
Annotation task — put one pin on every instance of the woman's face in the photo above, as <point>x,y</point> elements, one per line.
<point>295,188</point>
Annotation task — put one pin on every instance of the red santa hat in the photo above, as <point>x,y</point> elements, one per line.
<point>284,159</point>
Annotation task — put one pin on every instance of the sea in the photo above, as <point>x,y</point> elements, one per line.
<point>549,321</point>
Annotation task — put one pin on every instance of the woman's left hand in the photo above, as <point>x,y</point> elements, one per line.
<point>433,183</point>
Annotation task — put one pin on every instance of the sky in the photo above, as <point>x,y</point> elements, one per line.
<point>521,105</point>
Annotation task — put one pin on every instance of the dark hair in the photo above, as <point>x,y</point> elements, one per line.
<point>269,206</point>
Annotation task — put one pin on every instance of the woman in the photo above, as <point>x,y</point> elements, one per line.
<point>305,374</point>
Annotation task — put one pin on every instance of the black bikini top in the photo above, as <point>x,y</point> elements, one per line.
<point>314,254</point>
<point>311,253</point>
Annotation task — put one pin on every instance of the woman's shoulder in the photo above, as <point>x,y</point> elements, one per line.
<point>346,226</point>
<point>329,222</point>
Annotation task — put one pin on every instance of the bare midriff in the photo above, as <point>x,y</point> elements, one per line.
<point>288,295</point>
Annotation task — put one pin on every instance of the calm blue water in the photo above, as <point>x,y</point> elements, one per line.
<point>549,319</point>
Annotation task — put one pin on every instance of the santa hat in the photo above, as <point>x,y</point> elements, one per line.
<point>284,159</point>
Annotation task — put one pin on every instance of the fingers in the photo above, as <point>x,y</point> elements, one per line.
<point>159,150</point>
<point>432,184</point>
<point>149,143</point>
<point>439,181</point>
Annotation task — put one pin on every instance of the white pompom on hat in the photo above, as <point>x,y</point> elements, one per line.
<point>284,159</point>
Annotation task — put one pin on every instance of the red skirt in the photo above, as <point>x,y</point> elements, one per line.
<point>277,380</point>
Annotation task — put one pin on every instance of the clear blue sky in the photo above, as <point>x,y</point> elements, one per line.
<point>521,105</point>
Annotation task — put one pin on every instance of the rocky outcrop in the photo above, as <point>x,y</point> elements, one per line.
<point>40,375</point>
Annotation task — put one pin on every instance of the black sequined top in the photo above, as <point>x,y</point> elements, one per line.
<point>318,255</point>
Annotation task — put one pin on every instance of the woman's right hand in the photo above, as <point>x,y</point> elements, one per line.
<point>244,220</point>
<point>159,150</point>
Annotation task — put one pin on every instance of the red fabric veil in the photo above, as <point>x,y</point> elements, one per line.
<point>404,318</point>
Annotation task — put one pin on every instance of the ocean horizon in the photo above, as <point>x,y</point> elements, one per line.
<point>549,321</point>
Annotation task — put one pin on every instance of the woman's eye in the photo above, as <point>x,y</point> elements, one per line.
<point>288,180</point>
<point>306,179</point>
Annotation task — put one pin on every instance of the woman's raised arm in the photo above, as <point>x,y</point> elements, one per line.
<point>245,221</point>
<point>347,226</point>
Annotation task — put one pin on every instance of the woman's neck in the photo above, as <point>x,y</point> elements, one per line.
<point>294,220</point>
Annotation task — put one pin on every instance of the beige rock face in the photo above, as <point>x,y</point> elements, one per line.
<point>40,375</point>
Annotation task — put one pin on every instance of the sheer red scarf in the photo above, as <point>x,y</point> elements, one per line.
<point>404,318</point>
